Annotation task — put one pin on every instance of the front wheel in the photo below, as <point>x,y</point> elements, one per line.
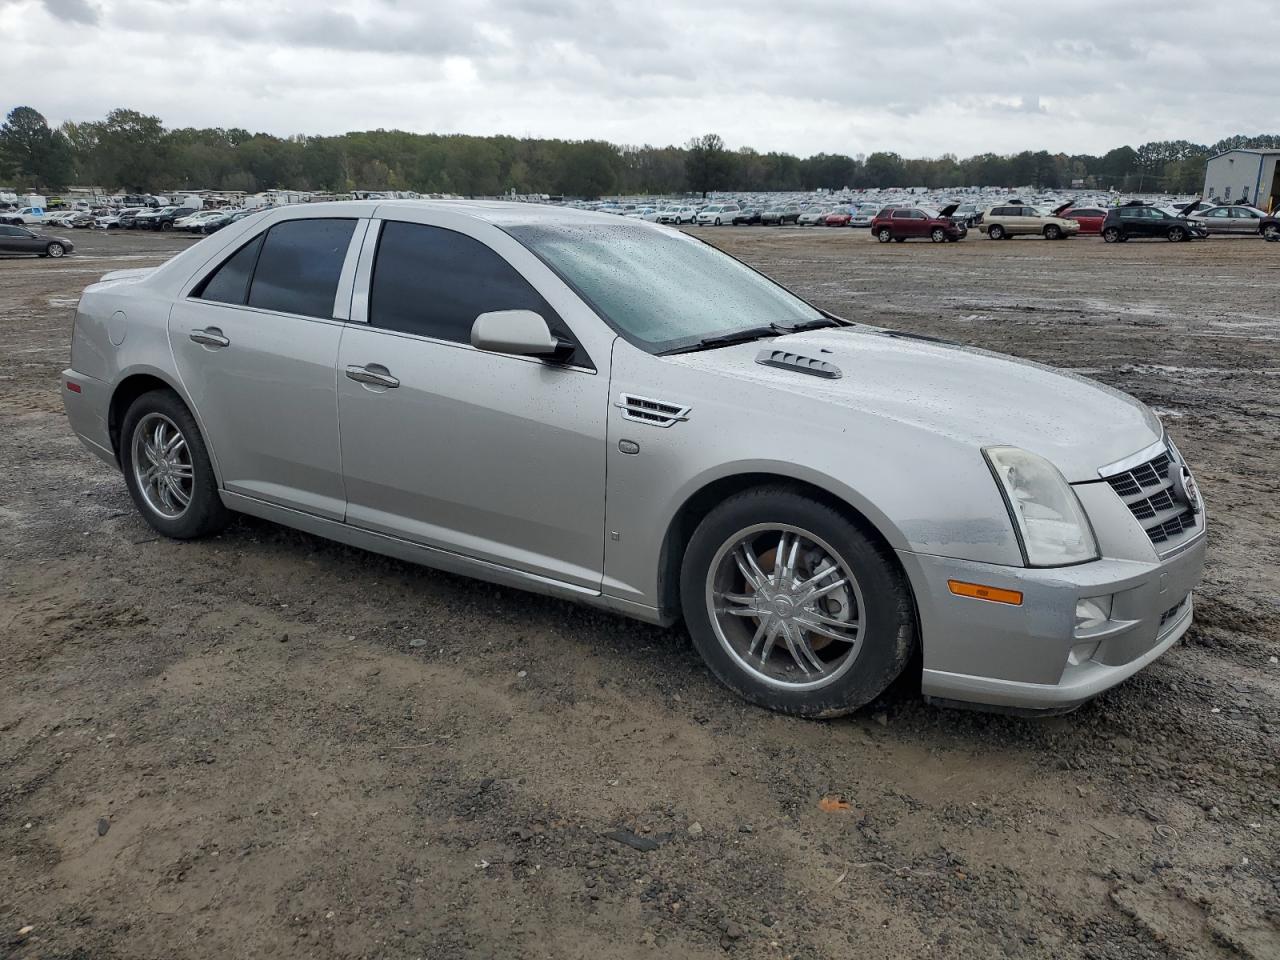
<point>167,468</point>
<point>938,235</point>
<point>1177,234</point>
<point>884,235</point>
<point>996,232</point>
<point>1271,232</point>
<point>1053,232</point>
<point>1112,235</point>
<point>55,250</point>
<point>717,221</point>
<point>794,606</point>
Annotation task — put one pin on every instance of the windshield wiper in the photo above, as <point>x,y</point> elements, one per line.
<point>816,324</point>
<point>747,334</point>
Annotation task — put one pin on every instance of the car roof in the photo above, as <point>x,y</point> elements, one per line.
<point>503,213</point>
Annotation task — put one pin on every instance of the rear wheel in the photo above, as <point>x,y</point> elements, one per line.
<point>995,232</point>
<point>884,235</point>
<point>167,468</point>
<point>793,606</point>
<point>1112,235</point>
<point>1053,232</point>
<point>938,235</point>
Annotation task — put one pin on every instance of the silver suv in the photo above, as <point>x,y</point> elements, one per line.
<point>617,413</point>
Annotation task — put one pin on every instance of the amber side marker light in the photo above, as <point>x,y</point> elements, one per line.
<point>979,592</point>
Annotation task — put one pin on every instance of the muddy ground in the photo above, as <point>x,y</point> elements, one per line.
<point>234,748</point>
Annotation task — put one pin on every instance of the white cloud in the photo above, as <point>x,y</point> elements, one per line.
<point>921,77</point>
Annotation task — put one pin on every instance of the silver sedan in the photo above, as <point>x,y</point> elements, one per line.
<point>617,413</point>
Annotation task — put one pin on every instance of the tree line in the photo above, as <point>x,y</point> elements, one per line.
<point>132,151</point>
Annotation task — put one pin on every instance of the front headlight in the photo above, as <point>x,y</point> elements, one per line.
<point>1045,510</point>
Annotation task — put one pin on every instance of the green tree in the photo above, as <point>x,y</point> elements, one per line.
<point>34,153</point>
<point>707,164</point>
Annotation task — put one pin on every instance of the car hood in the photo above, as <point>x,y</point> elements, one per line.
<point>968,394</point>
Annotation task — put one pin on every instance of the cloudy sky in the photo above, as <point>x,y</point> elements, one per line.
<point>922,77</point>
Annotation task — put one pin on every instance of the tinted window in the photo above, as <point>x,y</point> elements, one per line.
<point>230,282</point>
<point>435,282</point>
<point>299,266</point>
<point>1005,212</point>
<point>10,231</point>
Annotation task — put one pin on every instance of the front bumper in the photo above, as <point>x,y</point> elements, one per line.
<point>1030,657</point>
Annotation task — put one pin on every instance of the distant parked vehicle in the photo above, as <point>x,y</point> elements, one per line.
<point>678,215</point>
<point>23,215</point>
<point>165,218</point>
<point>904,223</point>
<point>1089,218</point>
<point>863,216</point>
<point>1233,219</point>
<point>778,216</point>
<point>838,218</point>
<point>214,224</point>
<point>193,222</point>
<point>748,216</point>
<point>1016,220</point>
<point>1142,221</point>
<point>813,216</point>
<point>718,214</point>
<point>15,239</point>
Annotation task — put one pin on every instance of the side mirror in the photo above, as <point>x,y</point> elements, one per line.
<point>521,332</point>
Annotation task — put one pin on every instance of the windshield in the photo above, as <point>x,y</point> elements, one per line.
<point>661,290</point>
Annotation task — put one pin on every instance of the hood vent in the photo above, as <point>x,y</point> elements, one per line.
<point>656,413</point>
<point>800,364</point>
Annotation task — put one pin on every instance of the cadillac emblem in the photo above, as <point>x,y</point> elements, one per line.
<point>1186,490</point>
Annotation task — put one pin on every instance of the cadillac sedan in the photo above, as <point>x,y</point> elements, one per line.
<point>614,412</point>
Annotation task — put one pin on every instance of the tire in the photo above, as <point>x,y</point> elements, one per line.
<point>884,234</point>
<point>843,674</point>
<point>1177,234</point>
<point>996,232</point>
<point>166,225</point>
<point>1112,235</point>
<point>204,513</point>
<point>938,235</point>
<point>1271,232</point>
<point>1053,232</point>
<point>55,250</point>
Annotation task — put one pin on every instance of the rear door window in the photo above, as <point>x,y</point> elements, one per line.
<point>300,265</point>
<point>230,282</point>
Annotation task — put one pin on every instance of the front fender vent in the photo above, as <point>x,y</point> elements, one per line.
<point>656,413</point>
<point>799,363</point>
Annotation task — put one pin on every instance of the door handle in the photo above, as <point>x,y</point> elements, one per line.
<point>373,374</point>
<point>210,337</point>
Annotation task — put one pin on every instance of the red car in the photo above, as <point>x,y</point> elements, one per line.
<point>838,218</point>
<point>1089,218</point>
<point>903,223</point>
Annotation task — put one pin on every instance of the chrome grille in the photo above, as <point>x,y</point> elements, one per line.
<point>1148,491</point>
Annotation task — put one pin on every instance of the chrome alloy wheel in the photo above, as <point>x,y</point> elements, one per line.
<point>785,606</point>
<point>162,465</point>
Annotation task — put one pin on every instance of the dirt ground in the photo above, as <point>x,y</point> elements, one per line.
<point>265,744</point>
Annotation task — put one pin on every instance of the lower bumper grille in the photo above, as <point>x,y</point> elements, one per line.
<point>1153,494</point>
<point>1173,613</point>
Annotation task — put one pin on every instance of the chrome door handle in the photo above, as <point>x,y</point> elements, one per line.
<point>374,374</point>
<point>211,337</point>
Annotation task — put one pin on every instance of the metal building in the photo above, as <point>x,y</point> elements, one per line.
<point>1244,176</point>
